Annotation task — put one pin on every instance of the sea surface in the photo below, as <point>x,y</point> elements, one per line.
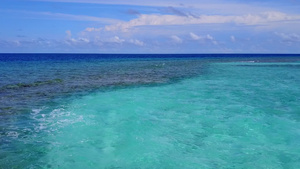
<point>149,111</point>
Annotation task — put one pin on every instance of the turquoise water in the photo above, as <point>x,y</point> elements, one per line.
<point>216,114</point>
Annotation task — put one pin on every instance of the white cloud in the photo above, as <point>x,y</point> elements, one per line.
<point>207,38</point>
<point>232,38</point>
<point>211,39</point>
<point>290,38</point>
<point>69,34</point>
<point>194,36</point>
<point>136,42</point>
<point>17,43</point>
<point>74,41</point>
<point>93,29</point>
<point>156,19</point>
<point>85,40</point>
<point>176,39</point>
<point>116,39</point>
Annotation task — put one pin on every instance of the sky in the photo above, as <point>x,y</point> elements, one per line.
<point>156,26</point>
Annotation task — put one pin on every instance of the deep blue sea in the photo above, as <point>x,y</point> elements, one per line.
<point>149,111</point>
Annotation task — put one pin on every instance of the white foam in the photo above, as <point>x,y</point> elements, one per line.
<point>13,134</point>
<point>36,111</point>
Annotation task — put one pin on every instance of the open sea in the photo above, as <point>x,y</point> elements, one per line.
<point>111,111</point>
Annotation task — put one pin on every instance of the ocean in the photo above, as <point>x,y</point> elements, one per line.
<point>149,111</point>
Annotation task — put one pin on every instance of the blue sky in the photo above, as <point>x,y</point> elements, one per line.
<point>156,26</point>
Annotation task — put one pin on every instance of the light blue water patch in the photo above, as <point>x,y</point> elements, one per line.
<point>235,117</point>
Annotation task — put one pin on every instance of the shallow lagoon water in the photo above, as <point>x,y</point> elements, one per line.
<point>216,114</point>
